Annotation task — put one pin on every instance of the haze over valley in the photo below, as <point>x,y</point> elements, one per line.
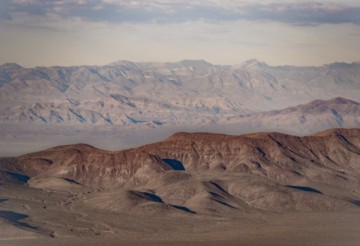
<point>129,104</point>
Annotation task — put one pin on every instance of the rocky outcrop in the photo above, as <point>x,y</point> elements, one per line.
<point>326,156</point>
<point>204,173</point>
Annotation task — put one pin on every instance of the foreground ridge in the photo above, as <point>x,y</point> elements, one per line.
<point>196,176</point>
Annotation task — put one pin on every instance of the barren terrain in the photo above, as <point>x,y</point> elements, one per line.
<point>198,189</point>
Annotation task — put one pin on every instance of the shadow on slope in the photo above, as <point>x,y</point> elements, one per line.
<point>15,217</point>
<point>175,164</point>
<point>304,188</point>
<point>356,202</point>
<point>11,177</point>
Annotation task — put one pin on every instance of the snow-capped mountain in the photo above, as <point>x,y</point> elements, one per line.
<point>153,94</point>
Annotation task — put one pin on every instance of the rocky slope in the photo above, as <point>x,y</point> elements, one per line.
<point>303,119</point>
<point>204,173</point>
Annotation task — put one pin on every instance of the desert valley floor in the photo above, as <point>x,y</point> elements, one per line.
<point>56,218</point>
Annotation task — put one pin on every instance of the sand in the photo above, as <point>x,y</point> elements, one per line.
<point>57,219</point>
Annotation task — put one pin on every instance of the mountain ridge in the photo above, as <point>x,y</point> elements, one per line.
<point>206,173</point>
<point>153,94</point>
<point>304,119</point>
<point>249,61</point>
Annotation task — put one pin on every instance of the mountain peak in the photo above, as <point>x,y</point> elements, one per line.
<point>253,63</point>
<point>340,65</point>
<point>10,66</point>
<point>324,105</point>
<point>338,131</point>
<point>122,63</point>
<point>342,100</point>
<point>334,101</point>
<point>195,62</point>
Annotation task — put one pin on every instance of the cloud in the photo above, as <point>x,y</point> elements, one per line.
<point>304,13</point>
<point>167,11</point>
<point>4,11</point>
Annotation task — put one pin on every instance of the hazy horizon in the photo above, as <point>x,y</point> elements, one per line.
<point>178,61</point>
<point>26,65</point>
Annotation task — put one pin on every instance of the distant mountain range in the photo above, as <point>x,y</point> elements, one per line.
<point>182,93</point>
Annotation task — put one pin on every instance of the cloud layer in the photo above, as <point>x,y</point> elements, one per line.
<point>74,32</point>
<point>167,11</point>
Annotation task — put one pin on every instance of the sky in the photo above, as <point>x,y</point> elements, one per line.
<point>98,32</point>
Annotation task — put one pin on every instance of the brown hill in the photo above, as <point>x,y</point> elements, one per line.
<point>205,173</point>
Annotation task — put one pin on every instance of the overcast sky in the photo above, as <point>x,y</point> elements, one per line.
<point>98,32</point>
